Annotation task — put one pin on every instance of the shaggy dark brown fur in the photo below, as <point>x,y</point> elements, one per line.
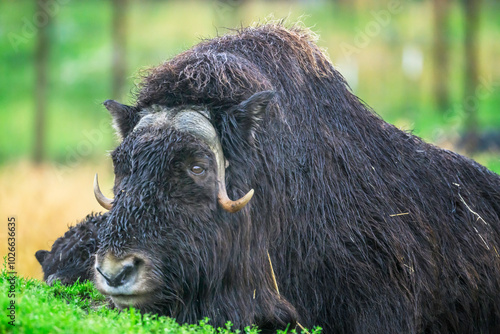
<point>72,255</point>
<point>370,230</point>
<point>330,178</point>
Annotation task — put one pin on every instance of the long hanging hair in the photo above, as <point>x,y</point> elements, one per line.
<point>369,228</point>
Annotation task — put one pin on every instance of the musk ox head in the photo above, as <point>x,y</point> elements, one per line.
<point>172,228</point>
<point>72,255</point>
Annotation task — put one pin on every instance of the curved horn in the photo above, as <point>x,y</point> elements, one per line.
<point>199,125</point>
<point>233,206</point>
<point>105,202</point>
<point>224,201</point>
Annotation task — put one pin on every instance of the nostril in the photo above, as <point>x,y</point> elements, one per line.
<point>119,272</point>
<point>123,275</point>
<point>102,274</point>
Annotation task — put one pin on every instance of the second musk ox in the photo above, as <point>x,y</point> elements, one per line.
<point>369,229</point>
<point>72,255</point>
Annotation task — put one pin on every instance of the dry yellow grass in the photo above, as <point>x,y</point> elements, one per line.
<point>45,200</point>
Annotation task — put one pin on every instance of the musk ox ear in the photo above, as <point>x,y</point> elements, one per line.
<point>251,110</point>
<point>248,113</point>
<point>124,117</point>
<point>41,255</point>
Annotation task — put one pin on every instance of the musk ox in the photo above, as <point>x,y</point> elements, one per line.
<point>72,255</point>
<point>368,228</point>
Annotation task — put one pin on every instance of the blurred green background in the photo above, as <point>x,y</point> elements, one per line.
<point>430,67</point>
<point>385,49</point>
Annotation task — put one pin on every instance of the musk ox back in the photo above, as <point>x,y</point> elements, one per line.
<point>369,229</point>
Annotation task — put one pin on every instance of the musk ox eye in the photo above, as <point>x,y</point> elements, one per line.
<point>197,170</point>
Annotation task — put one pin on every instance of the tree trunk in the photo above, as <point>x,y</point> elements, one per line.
<point>119,36</point>
<point>472,10</point>
<point>441,54</point>
<point>41,70</point>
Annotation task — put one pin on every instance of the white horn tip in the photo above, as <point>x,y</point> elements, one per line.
<point>235,206</point>
<point>101,199</point>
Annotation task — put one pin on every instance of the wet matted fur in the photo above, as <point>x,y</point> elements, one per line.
<point>370,229</point>
<point>72,255</point>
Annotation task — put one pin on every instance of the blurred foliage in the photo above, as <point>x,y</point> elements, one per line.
<point>80,63</point>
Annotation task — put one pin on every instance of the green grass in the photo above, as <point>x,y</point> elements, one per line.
<point>80,308</point>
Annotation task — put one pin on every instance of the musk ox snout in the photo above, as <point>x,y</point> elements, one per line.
<point>124,279</point>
